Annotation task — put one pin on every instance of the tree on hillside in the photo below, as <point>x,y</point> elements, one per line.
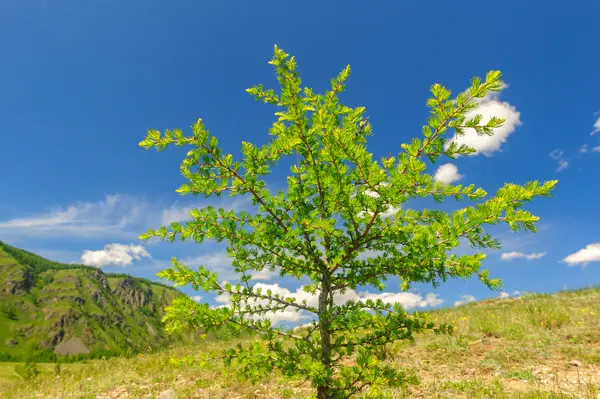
<point>340,223</point>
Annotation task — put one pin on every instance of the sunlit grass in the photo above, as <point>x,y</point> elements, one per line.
<point>517,347</point>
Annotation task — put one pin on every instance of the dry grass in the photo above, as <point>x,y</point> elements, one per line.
<point>536,346</point>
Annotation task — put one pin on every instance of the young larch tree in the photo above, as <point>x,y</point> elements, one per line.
<point>340,224</point>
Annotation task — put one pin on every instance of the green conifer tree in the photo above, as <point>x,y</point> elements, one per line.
<point>340,223</point>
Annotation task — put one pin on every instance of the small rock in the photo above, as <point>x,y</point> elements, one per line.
<point>576,363</point>
<point>168,394</point>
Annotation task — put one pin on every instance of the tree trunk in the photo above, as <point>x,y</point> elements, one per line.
<point>324,391</point>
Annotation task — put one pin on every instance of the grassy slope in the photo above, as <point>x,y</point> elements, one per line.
<point>519,347</point>
<point>109,312</point>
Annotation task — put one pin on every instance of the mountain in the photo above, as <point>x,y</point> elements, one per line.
<point>49,309</point>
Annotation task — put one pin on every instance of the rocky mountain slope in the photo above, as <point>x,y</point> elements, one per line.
<point>50,309</point>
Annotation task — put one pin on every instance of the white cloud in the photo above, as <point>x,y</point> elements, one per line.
<point>390,210</point>
<point>117,216</point>
<point>464,299</point>
<point>70,217</point>
<point>583,149</point>
<point>181,213</point>
<point>447,173</point>
<point>504,295</point>
<point>409,300</point>
<point>196,298</point>
<point>517,255</point>
<point>220,263</point>
<point>114,254</point>
<point>558,155</point>
<point>175,214</point>
<point>562,165</point>
<point>596,149</point>
<point>596,127</point>
<point>591,253</point>
<point>490,106</point>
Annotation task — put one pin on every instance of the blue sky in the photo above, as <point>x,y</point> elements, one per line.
<point>83,81</point>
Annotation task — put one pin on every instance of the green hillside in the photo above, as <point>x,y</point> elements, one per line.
<point>49,309</point>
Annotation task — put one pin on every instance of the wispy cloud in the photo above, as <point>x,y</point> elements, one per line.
<point>83,219</point>
<point>488,107</point>
<point>596,126</point>
<point>179,213</point>
<point>521,255</point>
<point>116,217</point>
<point>558,155</point>
<point>220,263</point>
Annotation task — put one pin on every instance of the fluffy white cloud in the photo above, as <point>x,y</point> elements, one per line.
<point>447,173</point>
<point>591,253</point>
<point>196,298</point>
<point>464,299</point>
<point>583,149</point>
<point>504,294</point>
<point>518,255</point>
<point>389,212</point>
<point>409,300</point>
<point>490,106</point>
<point>114,254</point>
<point>596,127</point>
<point>596,149</point>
